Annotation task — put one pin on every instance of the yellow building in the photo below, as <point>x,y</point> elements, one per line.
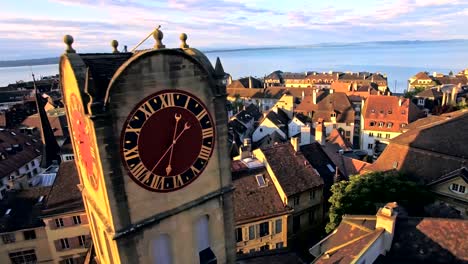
<point>152,193</point>
<point>66,223</point>
<point>260,215</point>
<point>23,237</point>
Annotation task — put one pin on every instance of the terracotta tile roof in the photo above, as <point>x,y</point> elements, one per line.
<point>276,75</point>
<point>326,105</point>
<point>65,195</point>
<point>29,147</point>
<point>24,209</point>
<point>386,109</point>
<point>347,165</point>
<point>252,202</point>
<point>422,76</point>
<point>244,83</point>
<point>428,240</point>
<point>320,161</point>
<point>335,138</point>
<point>451,80</point>
<point>293,171</point>
<point>58,123</point>
<point>429,151</point>
<point>429,93</point>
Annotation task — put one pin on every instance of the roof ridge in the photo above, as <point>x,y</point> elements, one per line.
<point>336,248</point>
<point>358,226</point>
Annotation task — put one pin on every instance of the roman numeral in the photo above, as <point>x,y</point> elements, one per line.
<point>147,109</point>
<point>204,152</point>
<point>177,180</point>
<point>157,182</point>
<point>207,132</point>
<point>138,171</point>
<point>201,114</point>
<point>195,171</point>
<point>131,153</point>
<point>133,130</point>
<point>167,100</point>
<point>187,102</point>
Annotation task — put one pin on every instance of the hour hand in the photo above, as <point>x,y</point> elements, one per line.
<point>168,169</point>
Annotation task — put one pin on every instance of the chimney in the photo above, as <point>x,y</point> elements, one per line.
<point>295,142</point>
<point>229,79</point>
<point>444,98</point>
<point>320,132</point>
<point>306,136</point>
<point>125,48</point>
<point>386,219</point>
<point>333,117</point>
<point>434,74</point>
<point>349,87</point>
<point>246,149</point>
<point>303,95</point>
<point>314,96</point>
<point>250,82</point>
<point>337,76</point>
<point>438,88</point>
<point>400,101</point>
<point>331,91</point>
<point>355,87</point>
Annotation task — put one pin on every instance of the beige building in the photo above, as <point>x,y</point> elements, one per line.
<point>452,189</point>
<point>260,214</point>
<point>139,212</point>
<point>66,223</point>
<point>23,237</point>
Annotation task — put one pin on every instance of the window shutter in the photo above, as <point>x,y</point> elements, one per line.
<point>52,224</point>
<point>58,245</point>
<point>84,219</point>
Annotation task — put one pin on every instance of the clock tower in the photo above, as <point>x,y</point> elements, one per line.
<point>149,132</point>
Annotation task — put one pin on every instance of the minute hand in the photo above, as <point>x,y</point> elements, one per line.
<point>186,127</point>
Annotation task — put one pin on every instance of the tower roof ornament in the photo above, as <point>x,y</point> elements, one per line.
<point>68,40</point>
<point>158,36</point>
<point>183,39</point>
<point>114,44</point>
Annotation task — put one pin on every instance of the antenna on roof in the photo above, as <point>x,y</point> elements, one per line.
<point>149,35</point>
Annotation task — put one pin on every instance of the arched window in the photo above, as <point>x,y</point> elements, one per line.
<point>202,232</point>
<point>161,248</point>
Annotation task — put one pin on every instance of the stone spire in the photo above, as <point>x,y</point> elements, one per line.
<point>219,70</point>
<point>50,148</point>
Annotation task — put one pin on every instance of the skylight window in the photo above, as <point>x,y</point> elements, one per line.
<point>8,211</point>
<point>330,167</point>
<point>260,180</point>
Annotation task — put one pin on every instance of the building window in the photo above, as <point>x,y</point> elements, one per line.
<point>379,135</point>
<point>162,250</point>
<point>389,124</point>
<point>261,130</point>
<point>347,133</point>
<point>59,222</point>
<point>238,234</point>
<point>29,235</point>
<point>279,245</point>
<point>27,256</point>
<point>370,146</point>
<point>312,194</point>
<point>334,126</point>
<point>76,219</point>
<point>260,180</point>
<point>251,232</point>
<point>458,188</point>
<point>203,233</point>
<point>278,226</point>
<point>64,243</point>
<point>372,123</point>
<point>421,101</point>
<point>264,229</point>
<point>371,134</point>
<point>8,238</point>
<point>381,124</point>
<point>296,200</point>
<point>387,136</point>
<point>82,240</point>
<point>390,112</point>
<point>265,247</point>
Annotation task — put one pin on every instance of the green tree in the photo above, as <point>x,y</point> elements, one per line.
<point>363,194</point>
<point>412,93</point>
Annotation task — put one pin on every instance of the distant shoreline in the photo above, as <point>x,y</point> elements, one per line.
<point>55,60</point>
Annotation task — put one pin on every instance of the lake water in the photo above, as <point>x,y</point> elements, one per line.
<point>399,60</point>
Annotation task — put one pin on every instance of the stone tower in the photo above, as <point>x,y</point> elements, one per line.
<point>149,131</point>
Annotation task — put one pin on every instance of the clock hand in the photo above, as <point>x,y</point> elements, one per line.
<point>186,126</point>
<point>169,168</point>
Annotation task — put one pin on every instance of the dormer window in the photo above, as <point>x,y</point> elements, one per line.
<point>457,188</point>
<point>389,111</point>
<point>333,114</point>
<point>389,124</point>
<point>381,124</point>
<point>372,110</point>
<point>372,123</point>
<point>260,180</point>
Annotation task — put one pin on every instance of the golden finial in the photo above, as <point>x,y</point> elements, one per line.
<point>114,44</point>
<point>68,40</point>
<point>158,36</point>
<point>183,38</point>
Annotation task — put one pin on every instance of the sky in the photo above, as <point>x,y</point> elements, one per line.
<point>35,28</point>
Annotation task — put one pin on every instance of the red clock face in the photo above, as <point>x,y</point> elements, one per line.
<point>167,140</point>
<point>83,141</point>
